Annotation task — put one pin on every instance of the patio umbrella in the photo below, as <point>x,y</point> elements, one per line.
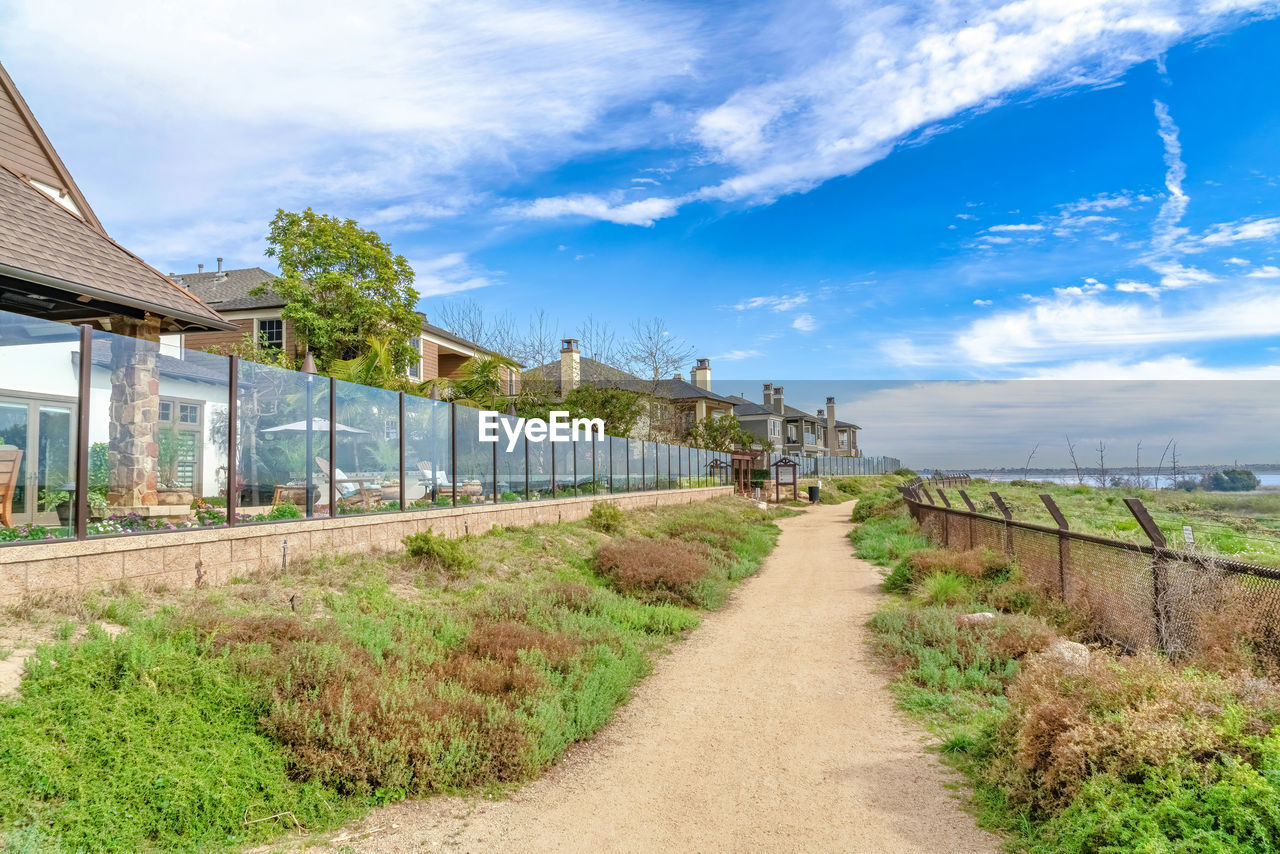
<point>319,425</point>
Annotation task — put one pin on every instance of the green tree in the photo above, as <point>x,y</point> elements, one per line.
<point>342,286</point>
<point>480,383</point>
<point>1231,480</point>
<point>720,434</point>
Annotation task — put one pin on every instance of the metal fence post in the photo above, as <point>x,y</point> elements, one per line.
<point>1064,542</point>
<point>404,491</point>
<point>333,448</point>
<point>82,433</point>
<point>233,438</point>
<point>552,446</point>
<point>453,453</point>
<point>526,469</point>
<point>1159,608</point>
<point>495,472</point>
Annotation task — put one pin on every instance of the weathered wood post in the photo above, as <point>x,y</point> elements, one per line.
<point>1159,608</point>
<point>1064,543</point>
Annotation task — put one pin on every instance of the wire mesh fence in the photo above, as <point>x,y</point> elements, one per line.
<point>1133,595</point>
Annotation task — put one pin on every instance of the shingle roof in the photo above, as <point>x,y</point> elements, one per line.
<point>594,372</point>
<point>743,407</point>
<point>43,242</point>
<point>229,289</point>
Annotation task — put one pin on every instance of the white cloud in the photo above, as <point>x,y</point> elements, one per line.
<point>1072,325</point>
<point>982,302</point>
<point>773,302</point>
<point>737,355</point>
<point>805,323</point>
<point>1175,276</point>
<point>1163,368</point>
<point>1268,271</point>
<point>1018,226</point>
<point>644,212</point>
<point>965,216</point>
<point>447,274</point>
<point>1167,229</point>
<point>1238,262</point>
<point>1105,202</point>
<point>1227,234</point>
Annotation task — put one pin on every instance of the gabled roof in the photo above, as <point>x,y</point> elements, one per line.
<point>55,256</point>
<point>746,408</point>
<point>26,151</point>
<point>597,373</point>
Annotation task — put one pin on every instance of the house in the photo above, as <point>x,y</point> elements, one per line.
<point>796,432</point>
<point>441,353</point>
<point>58,265</point>
<point>676,404</point>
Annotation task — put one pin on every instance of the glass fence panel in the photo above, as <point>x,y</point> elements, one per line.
<point>428,475</point>
<point>366,470</point>
<point>618,451</point>
<point>39,385</point>
<point>564,469</point>
<point>474,483</point>
<point>539,470</point>
<point>664,466</point>
<point>282,444</point>
<point>650,465</point>
<point>583,450</point>
<point>511,482</point>
<point>635,454</point>
<point>604,459</point>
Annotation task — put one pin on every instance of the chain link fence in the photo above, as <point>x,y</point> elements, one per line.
<point>1133,595</point>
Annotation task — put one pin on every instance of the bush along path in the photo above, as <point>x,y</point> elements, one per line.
<point>300,699</point>
<point>769,729</point>
<point>1071,746</point>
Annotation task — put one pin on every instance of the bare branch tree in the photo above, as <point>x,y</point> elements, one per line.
<point>598,341</point>
<point>1027,468</point>
<point>1173,466</point>
<point>1156,483</point>
<point>1137,466</point>
<point>653,352</point>
<point>467,319</point>
<point>1102,463</point>
<point>540,344</point>
<point>1071,450</point>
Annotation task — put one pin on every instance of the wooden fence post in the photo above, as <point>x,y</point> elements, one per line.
<point>1007,537</point>
<point>1064,543</point>
<point>1159,608</point>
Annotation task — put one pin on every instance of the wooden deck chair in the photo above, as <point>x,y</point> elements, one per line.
<point>10,463</point>
<point>352,492</point>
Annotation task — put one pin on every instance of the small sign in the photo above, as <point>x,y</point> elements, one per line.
<point>1188,535</point>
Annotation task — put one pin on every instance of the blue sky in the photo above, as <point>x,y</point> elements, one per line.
<point>803,190</point>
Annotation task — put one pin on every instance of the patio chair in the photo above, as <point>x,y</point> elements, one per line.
<point>10,463</point>
<point>352,492</point>
<point>433,480</point>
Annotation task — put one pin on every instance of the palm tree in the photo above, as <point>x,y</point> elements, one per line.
<point>375,367</point>
<point>479,383</point>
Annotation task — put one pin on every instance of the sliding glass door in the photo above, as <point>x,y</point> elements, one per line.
<point>44,430</point>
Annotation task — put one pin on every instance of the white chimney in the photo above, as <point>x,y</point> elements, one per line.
<point>768,395</point>
<point>832,444</point>
<point>701,374</point>
<point>570,365</point>
<point>777,400</point>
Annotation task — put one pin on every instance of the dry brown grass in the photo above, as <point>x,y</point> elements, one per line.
<point>977,564</point>
<point>642,565</point>
<point>570,595</point>
<point>1120,717</point>
<point>503,640</point>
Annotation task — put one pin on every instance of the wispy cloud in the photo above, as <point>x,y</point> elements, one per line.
<point>737,355</point>
<point>805,323</point>
<point>448,274</point>
<point>773,302</point>
<point>1167,228</point>
<point>1018,226</point>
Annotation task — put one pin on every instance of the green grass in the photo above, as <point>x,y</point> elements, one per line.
<point>1244,527</point>
<point>346,682</point>
<point>1171,759</point>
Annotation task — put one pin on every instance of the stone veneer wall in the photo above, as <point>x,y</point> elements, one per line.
<point>216,555</point>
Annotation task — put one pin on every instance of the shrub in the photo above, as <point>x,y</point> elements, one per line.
<point>606,518</point>
<point>876,504</point>
<point>570,595</point>
<point>440,551</point>
<point>503,640</point>
<point>977,564</point>
<point>944,588</point>
<point>649,566</point>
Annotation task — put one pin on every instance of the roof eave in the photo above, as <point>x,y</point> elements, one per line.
<point>190,320</point>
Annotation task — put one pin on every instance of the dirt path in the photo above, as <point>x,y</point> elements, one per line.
<point>768,729</point>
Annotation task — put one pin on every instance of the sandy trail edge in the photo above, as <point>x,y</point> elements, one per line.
<point>770,728</point>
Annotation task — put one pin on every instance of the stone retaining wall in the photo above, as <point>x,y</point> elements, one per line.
<point>216,555</point>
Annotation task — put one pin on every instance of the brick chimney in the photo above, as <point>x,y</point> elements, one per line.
<point>768,396</point>
<point>701,374</point>
<point>777,400</point>
<point>679,376</point>
<point>832,445</point>
<point>570,365</point>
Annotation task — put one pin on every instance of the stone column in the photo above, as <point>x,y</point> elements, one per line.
<point>133,451</point>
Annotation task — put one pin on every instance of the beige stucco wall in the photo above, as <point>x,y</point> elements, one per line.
<point>216,555</point>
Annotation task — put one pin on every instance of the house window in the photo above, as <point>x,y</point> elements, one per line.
<point>844,441</point>
<point>271,334</point>
<point>391,429</point>
<point>181,441</point>
<point>775,428</point>
<point>791,433</point>
<point>415,365</point>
